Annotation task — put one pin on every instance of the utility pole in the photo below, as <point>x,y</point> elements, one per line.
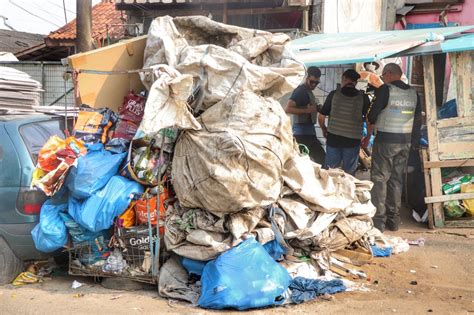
<point>83,25</point>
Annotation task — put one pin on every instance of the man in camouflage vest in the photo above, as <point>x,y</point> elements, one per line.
<point>346,107</point>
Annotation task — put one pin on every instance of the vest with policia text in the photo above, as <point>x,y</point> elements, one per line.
<point>345,118</point>
<point>398,116</point>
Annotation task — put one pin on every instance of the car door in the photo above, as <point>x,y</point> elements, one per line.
<point>21,204</point>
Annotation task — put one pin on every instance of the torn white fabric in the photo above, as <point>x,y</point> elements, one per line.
<point>166,105</point>
<point>320,224</point>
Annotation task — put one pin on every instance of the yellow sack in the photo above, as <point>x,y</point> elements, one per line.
<point>25,278</point>
<point>468,203</point>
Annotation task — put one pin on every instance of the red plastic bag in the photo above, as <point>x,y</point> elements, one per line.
<point>125,129</point>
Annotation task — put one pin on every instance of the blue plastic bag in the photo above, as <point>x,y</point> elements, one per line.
<point>242,278</point>
<point>304,289</point>
<point>448,110</point>
<point>274,249</point>
<point>381,251</point>
<point>50,233</point>
<point>193,266</point>
<point>78,233</point>
<point>97,213</point>
<point>93,171</point>
<point>90,246</point>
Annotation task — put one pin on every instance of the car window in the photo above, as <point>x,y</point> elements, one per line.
<point>36,134</point>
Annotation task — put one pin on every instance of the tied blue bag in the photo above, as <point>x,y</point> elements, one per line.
<point>94,243</point>
<point>274,249</point>
<point>92,171</point>
<point>244,277</point>
<point>97,213</point>
<point>50,233</point>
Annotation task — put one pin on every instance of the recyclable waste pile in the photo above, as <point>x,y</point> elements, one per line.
<point>200,183</point>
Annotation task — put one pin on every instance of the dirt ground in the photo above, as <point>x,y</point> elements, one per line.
<point>444,270</point>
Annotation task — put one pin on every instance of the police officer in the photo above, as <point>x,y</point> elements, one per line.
<point>302,105</point>
<point>396,116</point>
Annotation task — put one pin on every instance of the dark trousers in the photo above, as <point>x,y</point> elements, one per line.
<point>389,162</point>
<point>316,151</point>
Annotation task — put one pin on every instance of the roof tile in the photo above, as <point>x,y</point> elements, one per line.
<point>103,14</point>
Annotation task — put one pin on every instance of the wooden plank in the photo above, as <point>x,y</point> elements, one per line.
<point>305,19</point>
<point>455,134</point>
<point>467,223</point>
<point>217,10</point>
<point>448,163</point>
<point>456,138</point>
<point>431,117</point>
<point>426,174</point>
<point>444,198</point>
<point>464,74</point>
<point>455,122</point>
<point>456,150</point>
<point>99,90</point>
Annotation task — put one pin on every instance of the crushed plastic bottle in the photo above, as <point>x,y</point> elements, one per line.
<point>115,263</point>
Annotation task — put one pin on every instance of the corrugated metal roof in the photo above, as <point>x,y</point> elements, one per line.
<point>344,48</point>
<point>461,43</point>
<point>14,41</point>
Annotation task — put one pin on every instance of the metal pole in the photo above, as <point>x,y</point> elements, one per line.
<point>225,14</point>
<point>43,85</point>
<point>65,107</point>
<point>83,25</point>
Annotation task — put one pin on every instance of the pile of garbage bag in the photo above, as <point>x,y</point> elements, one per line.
<point>245,219</point>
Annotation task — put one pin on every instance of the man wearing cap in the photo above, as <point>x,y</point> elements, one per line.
<point>302,105</point>
<point>346,107</point>
<point>396,116</point>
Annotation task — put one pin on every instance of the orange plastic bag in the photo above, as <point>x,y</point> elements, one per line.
<point>142,212</point>
<point>128,217</point>
<point>47,159</point>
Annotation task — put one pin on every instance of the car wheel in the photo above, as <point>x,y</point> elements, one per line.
<point>10,265</point>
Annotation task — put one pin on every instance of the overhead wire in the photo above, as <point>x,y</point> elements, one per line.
<point>61,6</point>
<point>57,18</point>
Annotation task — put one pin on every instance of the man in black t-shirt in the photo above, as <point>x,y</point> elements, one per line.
<point>346,107</point>
<point>302,105</point>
